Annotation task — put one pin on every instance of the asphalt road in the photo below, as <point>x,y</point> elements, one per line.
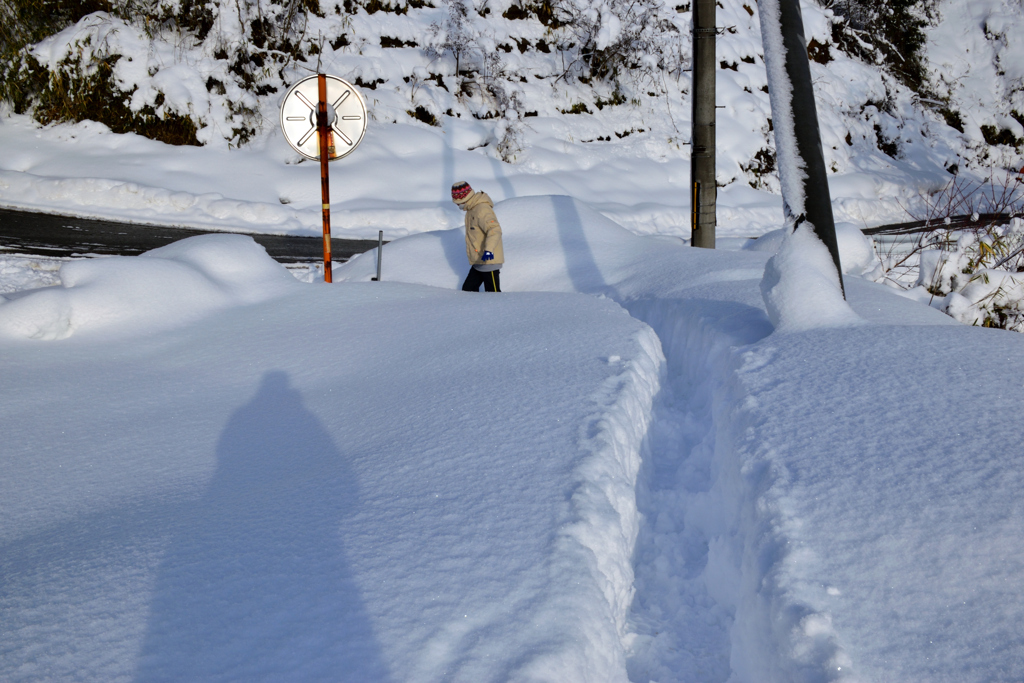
<point>41,234</point>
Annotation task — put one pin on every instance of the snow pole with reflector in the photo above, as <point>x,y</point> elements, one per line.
<point>326,150</point>
<point>323,118</point>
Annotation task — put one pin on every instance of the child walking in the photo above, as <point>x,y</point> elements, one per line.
<point>483,239</point>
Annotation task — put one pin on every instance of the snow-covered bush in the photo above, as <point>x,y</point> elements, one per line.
<point>890,33</point>
<point>618,40</point>
<point>454,35</point>
<point>979,279</point>
<point>975,273</point>
<point>166,69</point>
<point>80,80</point>
<point>484,82</point>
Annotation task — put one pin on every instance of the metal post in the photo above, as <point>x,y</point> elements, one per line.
<point>816,200</point>
<point>326,147</point>
<point>702,136</point>
<point>380,251</point>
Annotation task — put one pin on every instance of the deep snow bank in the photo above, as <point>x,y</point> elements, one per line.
<point>552,243</point>
<point>161,288</point>
<point>357,482</point>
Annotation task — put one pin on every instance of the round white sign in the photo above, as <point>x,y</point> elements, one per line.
<point>346,115</point>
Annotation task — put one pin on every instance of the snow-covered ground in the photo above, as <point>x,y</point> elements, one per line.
<point>617,469</point>
<point>353,481</point>
<point>640,462</point>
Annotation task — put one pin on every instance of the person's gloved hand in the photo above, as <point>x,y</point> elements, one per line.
<point>488,256</point>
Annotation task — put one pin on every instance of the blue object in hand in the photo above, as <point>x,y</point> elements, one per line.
<point>488,256</point>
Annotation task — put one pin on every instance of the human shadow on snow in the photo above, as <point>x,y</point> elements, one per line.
<point>255,583</point>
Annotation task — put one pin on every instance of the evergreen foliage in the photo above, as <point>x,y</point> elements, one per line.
<point>72,94</point>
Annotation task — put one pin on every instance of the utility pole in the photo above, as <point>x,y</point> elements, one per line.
<point>703,191</point>
<point>805,194</point>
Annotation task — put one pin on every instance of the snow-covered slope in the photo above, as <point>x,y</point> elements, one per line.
<point>976,61</point>
<point>520,113</point>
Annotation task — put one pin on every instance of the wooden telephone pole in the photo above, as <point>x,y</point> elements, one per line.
<point>805,193</point>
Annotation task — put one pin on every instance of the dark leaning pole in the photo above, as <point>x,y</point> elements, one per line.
<point>703,191</point>
<point>807,198</point>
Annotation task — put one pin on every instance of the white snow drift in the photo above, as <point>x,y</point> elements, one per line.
<point>398,481</point>
<point>163,287</point>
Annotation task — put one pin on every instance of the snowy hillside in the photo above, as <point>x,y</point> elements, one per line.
<point>589,100</point>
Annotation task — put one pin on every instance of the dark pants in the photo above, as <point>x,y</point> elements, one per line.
<point>491,281</point>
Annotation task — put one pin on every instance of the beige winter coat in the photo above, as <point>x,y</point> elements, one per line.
<point>483,232</point>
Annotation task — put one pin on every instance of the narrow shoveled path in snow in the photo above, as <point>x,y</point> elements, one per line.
<point>681,629</point>
<point>837,504</point>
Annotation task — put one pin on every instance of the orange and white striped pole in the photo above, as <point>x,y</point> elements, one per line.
<point>326,148</point>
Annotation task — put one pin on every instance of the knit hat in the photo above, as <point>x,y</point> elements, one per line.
<point>461,191</point>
